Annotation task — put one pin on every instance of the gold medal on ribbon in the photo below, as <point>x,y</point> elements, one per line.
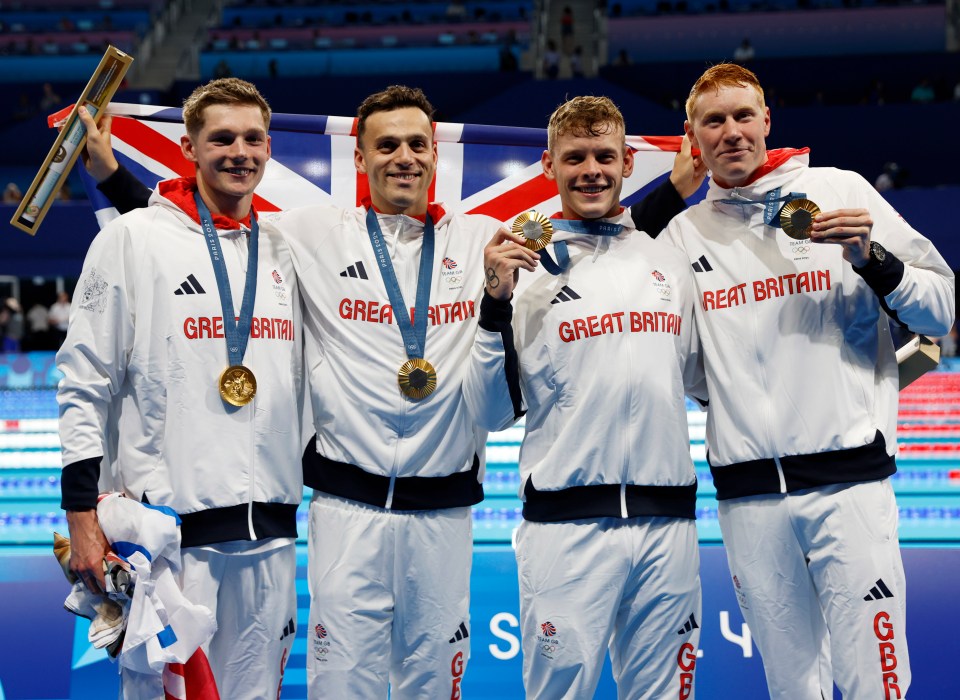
<point>796,218</point>
<point>535,228</point>
<point>237,385</point>
<point>417,378</point>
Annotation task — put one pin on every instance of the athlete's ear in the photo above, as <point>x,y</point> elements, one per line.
<point>546,161</point>
<point>187,149</point>
<point>627,162</point>
<point>358,160</point>
<point>688,130</point>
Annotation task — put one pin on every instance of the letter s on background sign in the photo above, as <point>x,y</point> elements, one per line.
<point>512,640</point>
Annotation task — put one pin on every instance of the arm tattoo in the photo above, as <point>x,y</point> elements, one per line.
<point>492,280</point>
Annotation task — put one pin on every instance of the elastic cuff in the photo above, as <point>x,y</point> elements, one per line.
<point>495,314</point>
<point>79,484</point>
<point>672,196</point>
<point>124,190</point>
<point>882,277</point>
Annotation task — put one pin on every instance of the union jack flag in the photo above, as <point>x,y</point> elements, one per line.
<point>450,263</point>
<point>321,631</point>
<point>192,680</point>
<point>491,170</point>
<point>548,629</point>
<point>657,275</point>
<point>277,278</point>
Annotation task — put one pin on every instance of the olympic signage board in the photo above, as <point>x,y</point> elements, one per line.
<point>44,652</point>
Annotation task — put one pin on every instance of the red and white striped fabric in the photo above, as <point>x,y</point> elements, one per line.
<point>190,681</point>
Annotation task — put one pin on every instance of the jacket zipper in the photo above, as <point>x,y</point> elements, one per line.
<point>624,513</point>
<point>748,220</point>
<point>783,481</point>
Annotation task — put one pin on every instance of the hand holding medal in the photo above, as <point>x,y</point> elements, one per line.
<point>850,228</point>
<point>509,251</point>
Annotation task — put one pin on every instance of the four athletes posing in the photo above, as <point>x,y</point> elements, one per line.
<point>397,460</point>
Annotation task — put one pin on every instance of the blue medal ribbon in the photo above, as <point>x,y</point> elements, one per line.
<point>588,227</point>
<point>771,212</point>
<point>237,332</point>
<point>583,227</point>
<point>414,334</point>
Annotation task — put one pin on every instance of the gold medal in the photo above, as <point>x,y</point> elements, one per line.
<point>796,218</point>
<point>535,228</point>
<point>237,385</point>
<point>417,378</point>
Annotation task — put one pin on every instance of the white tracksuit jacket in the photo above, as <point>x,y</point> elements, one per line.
<point>823,387</point>
<point>601,357</point>
<point>371,439</point>
<point>146,346</point>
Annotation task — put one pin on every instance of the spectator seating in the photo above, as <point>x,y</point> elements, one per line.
<point>255,15</point>
<point>363,38</point>
<point>633,8</point>
<point>256,65</point>
<point>840,32</point>
<point>99,5</point>
<point>57,43</point>
<point>299,38</point>
<point>53,28</point>
<point>27,21</point>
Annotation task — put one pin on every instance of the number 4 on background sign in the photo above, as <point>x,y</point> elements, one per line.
<point>743,640</point>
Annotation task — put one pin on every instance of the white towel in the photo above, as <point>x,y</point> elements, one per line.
<point>159,625</point>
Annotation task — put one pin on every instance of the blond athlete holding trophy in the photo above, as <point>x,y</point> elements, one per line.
<point>158,403</point>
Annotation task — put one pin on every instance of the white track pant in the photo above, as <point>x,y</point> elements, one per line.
<point>253,596</point>
<point>630,585</point>
<point>389,601</point>
<point>817,561</point>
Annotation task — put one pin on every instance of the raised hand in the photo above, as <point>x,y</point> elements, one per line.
<point>847,227</point>
<point>503,258</point>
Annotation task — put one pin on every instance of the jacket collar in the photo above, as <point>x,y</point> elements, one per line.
<point>180,193</point>
<point>782,167</point>
<point>434,209</point>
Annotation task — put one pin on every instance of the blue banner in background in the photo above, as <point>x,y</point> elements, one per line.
<point>44,653</point>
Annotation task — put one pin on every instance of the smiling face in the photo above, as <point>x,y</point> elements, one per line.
<point>399,156</point>
<point>589,169</point>
<point>230,151</point>
<point>730,125</point>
